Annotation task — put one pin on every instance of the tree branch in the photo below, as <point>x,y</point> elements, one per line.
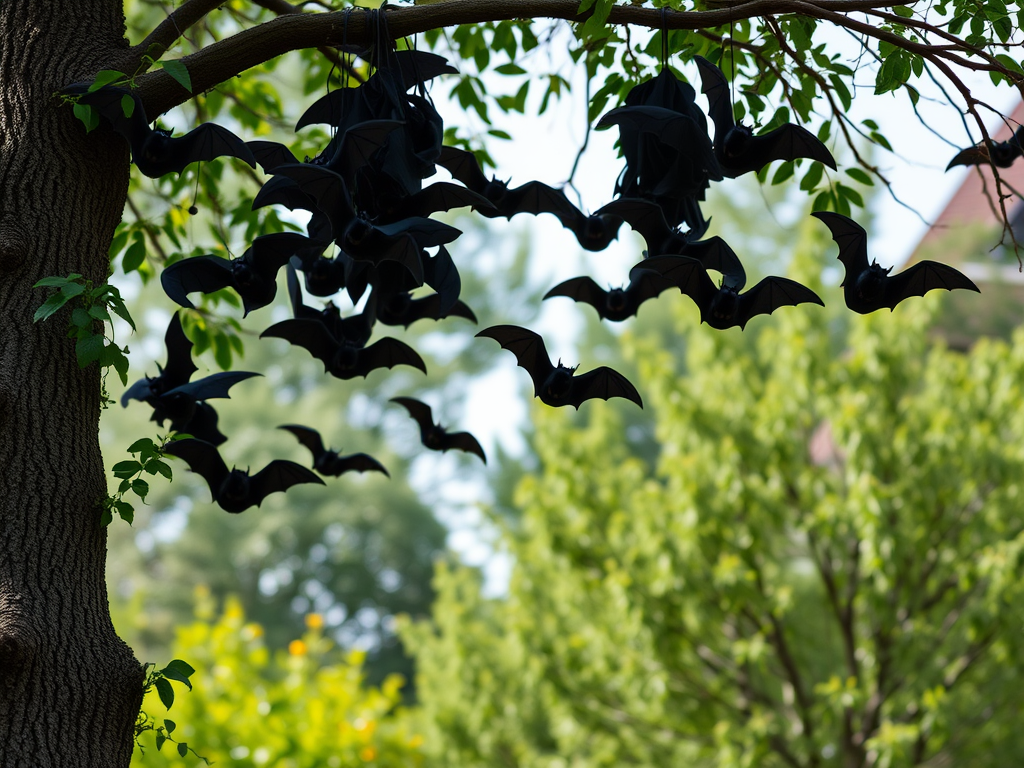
<point>168,32</point>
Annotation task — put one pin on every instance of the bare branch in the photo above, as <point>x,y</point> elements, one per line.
<point>168,32</point>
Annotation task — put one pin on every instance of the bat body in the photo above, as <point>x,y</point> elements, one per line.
<point>868,287</point>
<point>737,149</point>
<point>329,462</point>
<point>557,385</point>
<point>253,275</point>
<point>236,490</point>
<point>402,309</point>
<point>615,304</point>
<point>724,306</point>
<point>180,404</point>
<point>154,151</point>
<point>594,232</point>
<point>434,436</point>
<point>344,358</point>
<point>1001,154</point>
<point>178,371</point>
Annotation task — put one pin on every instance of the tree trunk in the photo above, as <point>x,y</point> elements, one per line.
<point>70,689</point>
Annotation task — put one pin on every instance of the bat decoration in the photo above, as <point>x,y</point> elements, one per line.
<point>1001,154</point>
<point>724,306</point>
<point>615,304</point>
<point>187,412</point>
<point>154,151</point>
<point>737,149</point>
<point>868,287</point>
<point>402,309</point>
<point>236,490</point>
<point>434,436</point>
<point>178,371</point>
<point>557,385</point>
<point>253,275</point>
<point>344,358</point>
<point>533,197</point>
<point>594,232</point>
<point>329,462</point>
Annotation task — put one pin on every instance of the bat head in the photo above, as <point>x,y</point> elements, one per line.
<point>397,304</point>
<point>1003,153</point>
<point>346,357</point>
<point>325,462</point>
<point>495,190</point>
<point>433,437</point>
<point>242,272</point>
<point>356,234</point>
<point>615,300</point>
<point>725,305</point>
<point>559,383</point>
<point>595,228</point>
<point>234,489</point>
<point>735,141</point>
<point>870,284</point>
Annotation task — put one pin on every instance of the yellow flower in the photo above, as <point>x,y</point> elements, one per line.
<point>366,754</point>
<point>314,620</point>
<point>297,648</point>
<point>416,741</point>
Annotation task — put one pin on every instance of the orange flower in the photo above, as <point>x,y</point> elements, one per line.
<point>314,620</point>
<point>297,648</point>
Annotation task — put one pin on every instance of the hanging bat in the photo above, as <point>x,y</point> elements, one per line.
<point>738,150</point>
<point>557,385</point>
<point>615,304</point>
<point>724,306</point>
<point>533,197</point>
<point>330,462</point>
<point>236,490</point>
<point>154,151</point>
<point>355,329</point>
<point>178,371</point>
<point>253,275</point>
<point>594,232</point>
<point>434,436</point>
<point>344,358</point>
<point>1001,154</point>
<point>187,412</point>
<point>868,288</point>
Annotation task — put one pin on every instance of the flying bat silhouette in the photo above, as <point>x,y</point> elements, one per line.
<point>184,407</point>
<point>344,358</point>
<point>154,151</point>
<point>253,275</point>
<point>724,306</point>
<point>330,462</point>
<point>1001,154</point>
<point>533,197</point>
<point>737,149</point>
<point>594,231</point>
<point>434,436</point>
<point>615,304</point>
<point>236,490</point>
<point>178,371</point>
<point>557,385</point>
<point>868,287</point>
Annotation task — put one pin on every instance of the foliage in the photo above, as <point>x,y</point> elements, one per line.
<point>150,461</point>
<point>306,706</point>
<point>822,570</point>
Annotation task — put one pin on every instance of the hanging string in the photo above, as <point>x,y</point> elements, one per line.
<point>664,37</point>
<point>193,209</point>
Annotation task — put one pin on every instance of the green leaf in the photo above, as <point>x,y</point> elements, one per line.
<point>51,305</point>
<point>47,282</point>
<point>902,11</point>
<point>165,691</point>
<point>183,749</point>
<point>135,255</point>
<point>499,134</point>
<point>71,290</point>
<point>156,466</point>
<point>127,105</point>
<point>160,740</point>
<point>81,318</point>
<point>90,117</point>
<point>115,302</point>
<point>784,172</point>
<point>126,468</point>
<point>850,194</point>
<point>858,175</point>
<point>142,444</point>
<point>125,510</point>
<point>88,349</point>
<point>179,670</point>
<point>140,487</point>
<point>812,177</point>
<point>510,69</point>
<point>99,312</point>
<point>170,725</point>
<point>106,77</point>
<point>179,72</point>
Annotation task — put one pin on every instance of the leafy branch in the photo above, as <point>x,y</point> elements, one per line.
<point>160,679</point>
<point>150,461</point>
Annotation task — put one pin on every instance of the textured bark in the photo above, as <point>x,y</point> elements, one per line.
<point>70,689</point>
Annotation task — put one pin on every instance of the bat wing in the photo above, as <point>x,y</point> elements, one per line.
<point>203,458</point>
<point>715,87</point>
<point>420,411</point>
<point>426,232</point>
<point>417,67</point>
<point>271,252</point>
<point>463,441</point>
<point>687,274</point>
<point>787,142</point>
<point>387,353</point>
<point>326,188</point>
<point>213,386</point>
<point>535,198</point>
<point>645,284</point>
<point>441,274</point>
<point>279,475</point>
<point>976,155</point>
<point>344,104</point>
<point>179,368</point>
<point>360,142</point>
<point>714,253</point>
<point>603,383</point>
<point>271,154</point>
<point>359,462</point>
<point>444,196</point>
<point>202,274</point>
<point>852,241</point>
<point>670,127</point>
<point>281,190</point>
<point>308,437</point>
<point>528,347</point>
<point>643,216</point>
<point>140,390</point>
<point>203,143</point>
<point>582,289</point>
<point>923,277</point>
<point>311,335</point>
<point>772,293</point>
<point>464,167</point>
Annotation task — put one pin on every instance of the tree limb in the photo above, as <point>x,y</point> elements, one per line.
<point>168,32</point>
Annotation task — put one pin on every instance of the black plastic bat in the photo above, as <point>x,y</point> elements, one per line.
<point>595,231</point>
<point>178,371</point>
<point>1001,154</point>
<point>533,197</point>
<point>868,287</point>
<point>615,304</point>
<point>558,385</point>
<point>330,462</point>
<point>434,436</point>
<point>738,150</point>
<point>187,412</point>
<point>253,275</point>
<point>236,490</point>
<point>724,306</point>
<point>154,151</point>
<point>344,358</point>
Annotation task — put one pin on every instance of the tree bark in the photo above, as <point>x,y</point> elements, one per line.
<point>70,689</point>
